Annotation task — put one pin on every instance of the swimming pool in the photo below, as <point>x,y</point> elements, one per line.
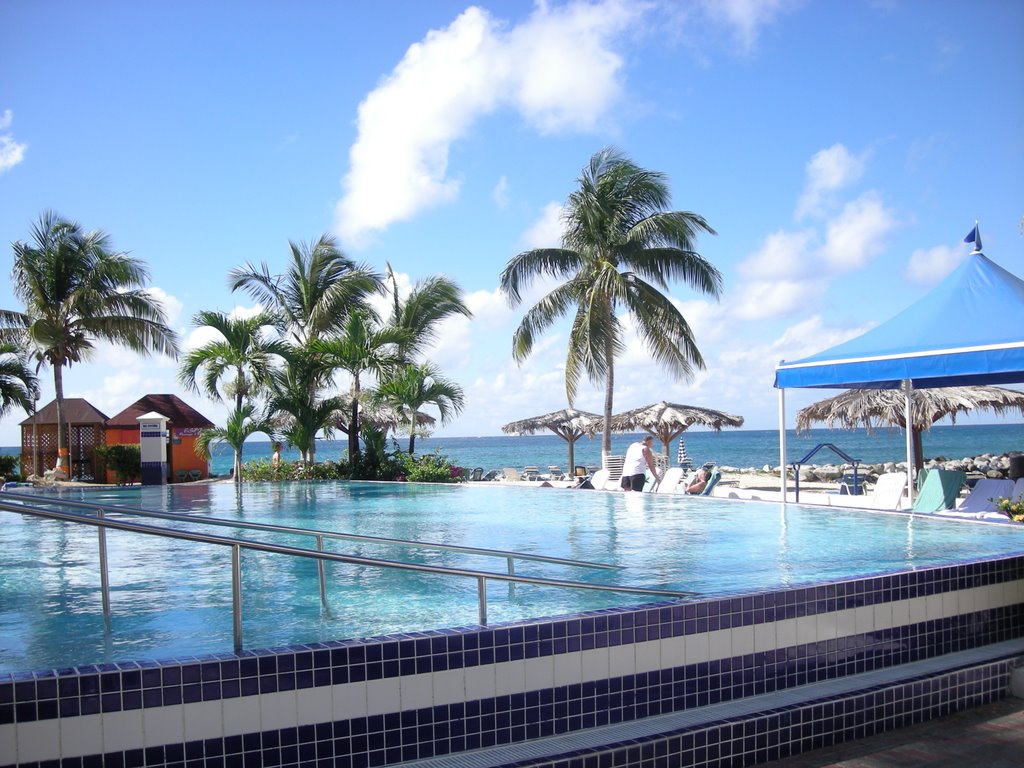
<point>172,599</point>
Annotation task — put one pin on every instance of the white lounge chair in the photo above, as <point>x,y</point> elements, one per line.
<point>614,466</point>
<point>669,480</point>
<point>888,492</point>
<point>978,501</point>
<point>601,480</point>
<point>510,474</point>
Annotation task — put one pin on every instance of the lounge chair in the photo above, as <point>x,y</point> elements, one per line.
<point>492,474</point>
<point>939,490</point>
<point>888,492</point>
<point>601,480</point>
<point>478,474</point>
<point>716,475</point>
<point>852,484</point>
<point>510,474</point>
<point>614,466</point>
<point>669,480</point>
<point>979,500</point>
<point>580,471</point>
<point>530,473</point>
<point>194,475</point>
<point>555,472</point>
<point>181,475</point>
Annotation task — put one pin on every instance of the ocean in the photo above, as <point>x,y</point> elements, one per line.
<point>731,448</point>
<point>742,448</point>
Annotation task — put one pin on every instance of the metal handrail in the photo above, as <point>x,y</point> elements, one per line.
<point>236,546</point>
<point>507,554</point>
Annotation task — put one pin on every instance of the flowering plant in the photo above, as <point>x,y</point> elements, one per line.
<point>1012,508</point>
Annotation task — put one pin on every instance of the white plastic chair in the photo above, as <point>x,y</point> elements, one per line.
<point>669,480</point>
<point>888,493</point>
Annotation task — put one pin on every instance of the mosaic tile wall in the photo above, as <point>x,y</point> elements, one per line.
<point>370,703</point>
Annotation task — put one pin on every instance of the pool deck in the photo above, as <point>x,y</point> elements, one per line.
<point>989,736</point>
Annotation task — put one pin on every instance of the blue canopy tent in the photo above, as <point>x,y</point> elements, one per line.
<point>967,330</point>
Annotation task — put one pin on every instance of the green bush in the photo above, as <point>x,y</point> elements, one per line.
<point>9,467</point>
<point>123,459</point>
<point>287,471</point>
<point>431,467</point>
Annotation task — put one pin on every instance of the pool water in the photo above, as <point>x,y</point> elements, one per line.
<point>172,599</point>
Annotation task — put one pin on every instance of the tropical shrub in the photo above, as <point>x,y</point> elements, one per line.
<point>9,466</point>
<point>124,460</point>
<point>431,467</point>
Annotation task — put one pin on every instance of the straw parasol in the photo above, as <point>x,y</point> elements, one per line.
<point>870,408</point>
<point>667,421</point>
<point>568,423</point>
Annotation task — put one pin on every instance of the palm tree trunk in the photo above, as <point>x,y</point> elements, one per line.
<point>353,425</point>
<point>412,434</point>
<point>237,471</point>
<point>609,390</point>
<point>62,431</point>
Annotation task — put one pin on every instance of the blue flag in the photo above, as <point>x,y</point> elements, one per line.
<point>974,236</point>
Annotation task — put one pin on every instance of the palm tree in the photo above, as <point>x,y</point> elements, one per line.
<point>363,347</point>
<point>18,385</point>
<point>431,300</point>
<point>620,249</point>
<point>295,394</point>
<point>242,423</point>
<point>416,385</point>
<point>315,294</point>
<point>76,291</point>
<point>243,354</point>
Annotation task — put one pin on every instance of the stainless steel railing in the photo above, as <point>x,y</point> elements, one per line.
<point>20,504</point>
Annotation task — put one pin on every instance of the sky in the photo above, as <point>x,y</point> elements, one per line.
<point>841,150</point>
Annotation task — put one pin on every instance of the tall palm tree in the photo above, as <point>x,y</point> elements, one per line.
<point>363,347</point>
<point>243,422</point>
<point>295,393</point>
<point>243,354</point>
<point>416,385</point>
<point>76,291</point>
<point>620,249</point>
<point>315,294</point>
<point>431,300</point>
<point>18,384</point>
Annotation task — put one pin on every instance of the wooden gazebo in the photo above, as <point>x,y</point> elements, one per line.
<point>86,425</point>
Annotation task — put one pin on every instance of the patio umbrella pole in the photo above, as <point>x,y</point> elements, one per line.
<point>908,391</point>
<point>782,444</point>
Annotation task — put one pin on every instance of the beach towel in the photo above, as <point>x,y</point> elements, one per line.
<point>939,490</point>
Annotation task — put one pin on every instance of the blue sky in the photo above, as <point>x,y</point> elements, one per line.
<point>841,150</point>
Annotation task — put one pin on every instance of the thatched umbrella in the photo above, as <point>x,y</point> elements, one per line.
<point>568,423</point>
<point>870,408</point>
<point>667,421</point>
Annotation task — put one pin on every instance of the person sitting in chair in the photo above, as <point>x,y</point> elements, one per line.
<point>700,482</point>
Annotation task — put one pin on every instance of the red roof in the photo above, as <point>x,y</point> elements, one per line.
<point>179,413</point>
<point>77,410</point>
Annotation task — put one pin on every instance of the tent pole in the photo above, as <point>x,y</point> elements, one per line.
<point>908,389</point>
<point>782,444</point>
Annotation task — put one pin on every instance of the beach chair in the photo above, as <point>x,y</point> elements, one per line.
<point>555,472</point>
<point>194,475</point>
<point>716,475</point>
<point>979,500</point>
<point>888,491</point>
<point>669,480</point>
<point>614,466</point>
<point>510,474</point>
<point>492,474</point>
<point>602,480</point>
<point>181,475</point>
<point>939,490</point>
<point>853,484</point>
<point>580,471</point>
<point>530,473</point>
<point>478,474</point>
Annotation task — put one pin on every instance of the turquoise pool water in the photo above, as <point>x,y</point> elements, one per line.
<point>173,599</point>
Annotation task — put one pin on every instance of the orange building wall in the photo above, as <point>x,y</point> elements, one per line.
<point>181,454</point>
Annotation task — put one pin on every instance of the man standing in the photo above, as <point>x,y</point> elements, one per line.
<point>638,458</point>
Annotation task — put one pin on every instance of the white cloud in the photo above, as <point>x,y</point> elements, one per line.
<point>172,305</point>
<point>500,192</point>
<point>11,151</point>
<point>828,171</point>
<point>745,18</point>
<point>857,234</point>
<point>929,267</point>
<point>783,254</point>
<point>547,230</point>
<point>557,69</point>
<point>762,299</point>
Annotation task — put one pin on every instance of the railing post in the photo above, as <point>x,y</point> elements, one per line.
<point>481,591</point>
<point>320,570</point>
<point>236,594</point>
<point>104,575</point>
